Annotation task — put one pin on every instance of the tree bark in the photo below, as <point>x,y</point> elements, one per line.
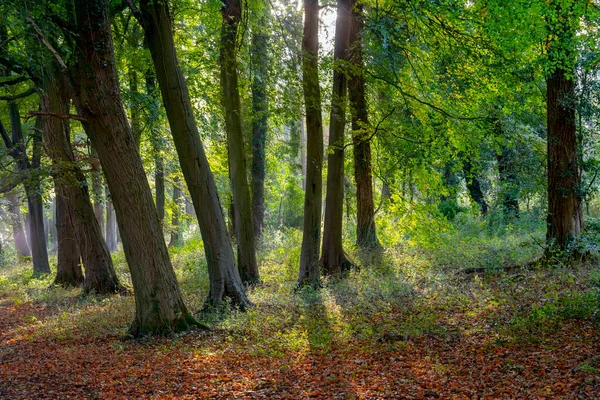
<point>244,228</point>
<point>72,192</point>
<point>33,189</point>
<point>224,277</point>
<point>333,257</point>
<point>565,217</point>
<point>68,266</point>
<point>366,234</point>
<point>309,273</point>
<point>16,218</point>
<point>159,304</point>
<point>260,64</point>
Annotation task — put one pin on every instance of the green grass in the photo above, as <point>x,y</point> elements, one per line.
<point>410,289</point>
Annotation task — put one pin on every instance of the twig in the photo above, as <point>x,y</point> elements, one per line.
<point>57,115</point>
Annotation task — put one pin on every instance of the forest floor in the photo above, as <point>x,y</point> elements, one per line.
<point>409,327</point>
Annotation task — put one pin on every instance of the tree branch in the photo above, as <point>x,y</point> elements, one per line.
<point>14,81</point>
<point>46,43</point>
<point>57,115</point>
<point>19,96</point>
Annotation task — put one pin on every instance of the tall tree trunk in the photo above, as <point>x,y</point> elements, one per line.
<point>474,187</point>
<point>333,257</point>
<point>97,188</point>
<point>309,273</point>
<point>225,279</point>
<point>366,234</point>
<point>156,142</point>
<point>16,218</point>
<point>176,234</point>
<point>260,64</point>
<point>159,304</point>
<point>136,123</point>
<point>72,192</point>
<point>33,189</point>
<point>68,266</point>
<point>509,182</point>
<point>111,223</point>
<point>565,217</point>
<point>244,229</point>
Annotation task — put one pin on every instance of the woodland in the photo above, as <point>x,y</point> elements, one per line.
<point>353,199</point>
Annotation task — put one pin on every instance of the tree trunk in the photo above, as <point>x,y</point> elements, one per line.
<point>260,64</point>
<point>309,273</point>
<point>97,188</point>
<point>136,126</point>
<point>159,304</point>
<point>366,234</point>
<point>565,217</point>
<point>474,187</point>
<point>33,190</point>
<point>244,228</point>
<point>176,234</point>
<point>72,192</point>
<point>156,142</point>
<point>225,280</point>
<point>68,266</point>
<point>16,219</point>
<point>111,225</point>
<point>333,257</point>
<point>53,228</point>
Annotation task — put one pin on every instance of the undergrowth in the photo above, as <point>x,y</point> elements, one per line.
<point>409,290</point>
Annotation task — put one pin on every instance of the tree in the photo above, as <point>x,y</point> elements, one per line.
<point>32,182</point>
<point>16,218</point>
<point>366,234</point>
<point>333,257</point>
<point>176,235</point>
<point>75,214</point>
<point>565,217</point>
<point>240,192</point>
<point>309,273</point>
<point>159,305</point>
<point>225,280</point>
<point>260,66</point>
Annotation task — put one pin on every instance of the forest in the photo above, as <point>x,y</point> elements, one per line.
<point>289,199</point>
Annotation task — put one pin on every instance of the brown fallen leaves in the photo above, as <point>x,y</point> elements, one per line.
<point>208,365</point>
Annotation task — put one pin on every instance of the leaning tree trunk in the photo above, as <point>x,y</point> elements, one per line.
<point>240,192</point>
<point>260,64</point>
<point>159,304</point>
<point>68,266</point>
<point>72,192</point>
<point>366,234</point>
<point>309,273</point>
<point>224,277</point>
<point>333,257</point>
<point>33,189</point>
<point>156,142</point>
<point>16,218</point>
